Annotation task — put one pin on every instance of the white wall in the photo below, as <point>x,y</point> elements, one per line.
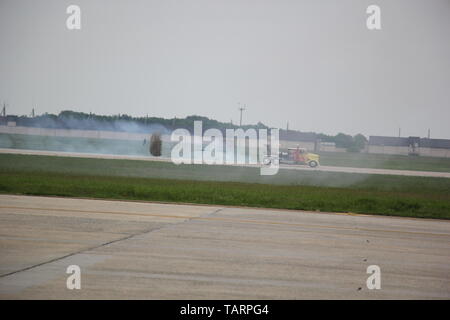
<point>434,152</point>
<point>429,152</point>
<point>284,144</point>
<point>95,134</point>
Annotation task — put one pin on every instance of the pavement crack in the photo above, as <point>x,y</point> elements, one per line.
<point>209,214</point>
<point>106,244</point>
<point>85,250</point>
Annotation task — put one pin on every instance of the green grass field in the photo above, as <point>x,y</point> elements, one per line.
<point>223,185</point>
<point>384,161</point>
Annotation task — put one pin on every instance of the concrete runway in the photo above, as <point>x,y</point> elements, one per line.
<point>289,167</point>
<point>166,251</point>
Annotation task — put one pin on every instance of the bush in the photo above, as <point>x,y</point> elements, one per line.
<point>155,145</point>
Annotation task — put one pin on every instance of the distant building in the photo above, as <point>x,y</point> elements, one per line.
<point>329,147</point>
<point>435,147</point>
<point>409,146</point>
<point>10,121</point>
<point>307,140</point>
<point>293,139</point>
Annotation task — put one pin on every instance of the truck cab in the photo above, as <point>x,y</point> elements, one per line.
<point>300,156</point>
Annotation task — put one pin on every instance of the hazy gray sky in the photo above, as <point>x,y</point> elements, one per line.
<point>313,62</point>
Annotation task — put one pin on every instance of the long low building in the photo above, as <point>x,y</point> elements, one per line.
<point>409,146</point>
<point>293,139</point>
<point>76,133</point>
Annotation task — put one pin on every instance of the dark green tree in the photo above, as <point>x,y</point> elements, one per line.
<point>359,142</point>
<point>156,145</point>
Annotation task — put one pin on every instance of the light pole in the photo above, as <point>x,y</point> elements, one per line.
<point>240,119</point>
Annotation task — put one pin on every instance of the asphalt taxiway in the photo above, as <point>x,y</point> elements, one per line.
<point>144,250</point>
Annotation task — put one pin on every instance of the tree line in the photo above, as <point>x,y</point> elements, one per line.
<point>123,122</point>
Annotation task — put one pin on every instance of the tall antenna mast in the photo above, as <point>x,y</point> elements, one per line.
<point>241,109</point>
